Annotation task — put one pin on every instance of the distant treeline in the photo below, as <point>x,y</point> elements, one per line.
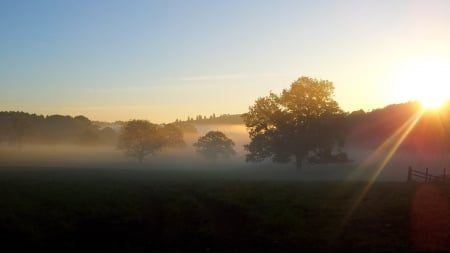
<point>20,128</point>
<point>421,131</point>
<point>233,119</point>
<point>407,123</point>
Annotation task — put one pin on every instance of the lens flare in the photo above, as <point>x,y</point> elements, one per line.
<point>425,79</point>
<point>391,145</point>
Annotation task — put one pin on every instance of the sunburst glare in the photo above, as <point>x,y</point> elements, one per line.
<point>426,80</point>
<point>388,147</point>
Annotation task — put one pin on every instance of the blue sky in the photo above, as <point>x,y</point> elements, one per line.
<point>162,60</point>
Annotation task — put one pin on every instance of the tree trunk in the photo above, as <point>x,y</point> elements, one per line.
<point>298,162</point>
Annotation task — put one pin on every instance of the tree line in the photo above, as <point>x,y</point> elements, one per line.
<point>302,123</point>
<point>18,128</point>
<point>213,119</point>
<point>429,133</point>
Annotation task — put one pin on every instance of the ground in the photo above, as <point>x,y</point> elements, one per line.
<point>148,210</point>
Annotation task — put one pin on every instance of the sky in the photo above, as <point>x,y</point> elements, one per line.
<point>163,60</point>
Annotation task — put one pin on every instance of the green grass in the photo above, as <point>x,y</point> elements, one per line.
<point>57,210</point>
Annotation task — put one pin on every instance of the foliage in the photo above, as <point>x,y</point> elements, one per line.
<point>185,127</point>
<point>22,128</point>
<point>224,119</point>
<point>139,138</point>
<point>172,136</point>
<point>429,134</point>
<point>303,119</point>
<point>215,144</point>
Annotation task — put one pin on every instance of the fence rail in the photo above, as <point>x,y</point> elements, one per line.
<point>426,176</point>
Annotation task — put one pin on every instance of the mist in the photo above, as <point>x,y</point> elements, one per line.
<point>186,163</point>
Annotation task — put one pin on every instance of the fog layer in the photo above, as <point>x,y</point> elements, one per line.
<point>176,164</point>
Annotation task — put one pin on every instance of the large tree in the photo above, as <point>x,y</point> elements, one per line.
<point>139,138</point>
<point>215,144</point>
<point>302,121</point>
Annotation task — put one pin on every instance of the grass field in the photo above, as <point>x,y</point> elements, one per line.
<point>72,209</point>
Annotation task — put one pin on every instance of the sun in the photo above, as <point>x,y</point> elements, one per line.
<point>425,80</point>
<point>432,102</point>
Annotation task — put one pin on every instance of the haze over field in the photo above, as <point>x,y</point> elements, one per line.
<point>365,145</point>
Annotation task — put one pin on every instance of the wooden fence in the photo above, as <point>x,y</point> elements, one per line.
<point>427,177</point>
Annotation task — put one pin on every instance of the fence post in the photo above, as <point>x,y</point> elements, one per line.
<point>426,175</point>
<point>409,173</point>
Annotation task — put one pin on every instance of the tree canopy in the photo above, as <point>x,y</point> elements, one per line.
<point>302,121</point>
<point>139,138</point>
<point>25,128</point>
<point>215,144</point>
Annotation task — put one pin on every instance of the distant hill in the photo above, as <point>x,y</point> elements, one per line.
<point>416,130</point>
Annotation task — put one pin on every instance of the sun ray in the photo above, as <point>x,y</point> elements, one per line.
<point>391,144</point>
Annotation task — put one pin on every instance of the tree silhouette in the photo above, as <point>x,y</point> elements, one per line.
<point>89,137</point>
<point>139,138</point>
<point>172,136</point>
<point>20,128</point>
<point>303,120</point>
<point>215,144</point>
